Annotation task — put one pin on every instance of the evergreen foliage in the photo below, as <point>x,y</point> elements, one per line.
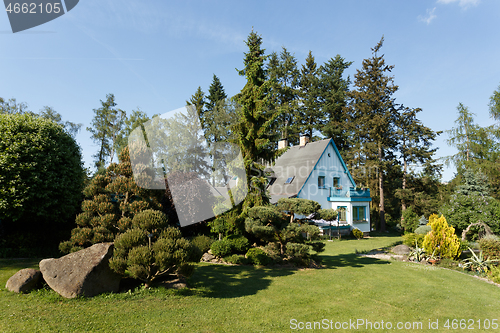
<point>151,250</point>
<point>112,200</point>
<point>374,113</point>
<point>297,206</point>
<point>410,220</point>
<point>441,240</point>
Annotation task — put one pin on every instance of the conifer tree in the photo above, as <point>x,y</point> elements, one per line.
<point>310,116</point>
<point>333,88</point>
<point>255,119</point>
<point>415,142</point>
<point>284,75</point>
<point>374,112</point>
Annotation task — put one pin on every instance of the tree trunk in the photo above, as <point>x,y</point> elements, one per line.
<point>381,191</point>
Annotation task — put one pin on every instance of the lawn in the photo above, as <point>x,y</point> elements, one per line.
<point>248,299</point>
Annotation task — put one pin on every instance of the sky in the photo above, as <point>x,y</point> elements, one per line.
<point>154,54</point>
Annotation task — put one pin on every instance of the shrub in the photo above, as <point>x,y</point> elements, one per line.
<point>239,243</point>
<point>410,220</point>
<point>490,245</point>
<point>221,248</point>
<point>41,178</point>
<point>202,243</point>
<point>495,274</point>
<point>441,240</point>
<point>296,250</point>
<point>357,233</point>
<point>423,230</point>
<point>317,246</point>
<point>258,256</point>
<point>150,250</point>
<point>237,259</point>
<point>409,239</point>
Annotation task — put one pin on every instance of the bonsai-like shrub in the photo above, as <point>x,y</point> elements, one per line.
<point>239,243</point>
<point>297,206</point>
<point>357,233</point>
<point>221,248</point>
<point>151,250</point>
<point>112,200</point>
<point>423,230</point>
<point>258,256</point>
<point>442,239</point>
<point>490,245</point>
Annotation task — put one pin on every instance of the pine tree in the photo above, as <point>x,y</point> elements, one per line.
<point>415,142</point>
<point>374,113</point>
<point>284,75</point>
<point>310,117</point>
<point>137,118</point>
<point>333,88</point>
<point>106,126</point>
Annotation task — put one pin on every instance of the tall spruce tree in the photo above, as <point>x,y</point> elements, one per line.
<point>374,112</point>
<point>284,75</point>
<point>255,120</point>
<point>333,88</point>
<point>310,117</point>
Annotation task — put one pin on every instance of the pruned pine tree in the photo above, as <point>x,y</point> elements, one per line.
<point>107,123</point>
<point>111,201</point>
<point>375,112</point>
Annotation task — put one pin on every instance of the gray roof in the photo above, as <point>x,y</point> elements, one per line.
<point>297,162</point>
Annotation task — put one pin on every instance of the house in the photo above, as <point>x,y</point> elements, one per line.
<point>316,171</point>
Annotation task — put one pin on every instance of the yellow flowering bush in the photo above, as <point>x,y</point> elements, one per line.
<point>441,240</point>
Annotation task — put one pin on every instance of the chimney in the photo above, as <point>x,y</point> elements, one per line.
<point>283,143</point>
<point>304,140</point>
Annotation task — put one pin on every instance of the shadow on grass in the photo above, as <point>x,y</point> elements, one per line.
<point>349,260</point>
<point>221,281</point>
<point>19,263</point>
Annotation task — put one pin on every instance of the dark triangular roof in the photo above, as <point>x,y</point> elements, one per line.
<point>298,162</point>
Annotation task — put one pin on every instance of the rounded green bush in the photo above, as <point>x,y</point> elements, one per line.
<point>258,256</point>
<point>236,259</point>
<point>150,220</point>
<point>410,239</point>
<point>221,248</point>
<point>202,242</point>
<point>423,229</point>
<point>238,243</point>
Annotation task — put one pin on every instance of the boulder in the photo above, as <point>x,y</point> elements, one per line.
<point>82,273</point>
<point>401,249</point>
<point>207,257</point>
<point>24,281</point>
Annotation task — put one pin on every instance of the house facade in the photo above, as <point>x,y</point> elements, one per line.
<point>316,171</point>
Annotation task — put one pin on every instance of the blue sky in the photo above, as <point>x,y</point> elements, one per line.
<point>154,54</point>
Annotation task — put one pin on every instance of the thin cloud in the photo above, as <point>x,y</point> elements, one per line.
<point>429,17</point>
<point>462,3</point>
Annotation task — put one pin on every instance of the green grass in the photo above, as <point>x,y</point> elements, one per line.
<point>248,299</point>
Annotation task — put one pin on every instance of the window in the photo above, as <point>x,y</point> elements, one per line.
<point>336,181</point>
<point>342,213</point>
<point>289,180</point>
<point>358,213</point>
<point>321,181</point>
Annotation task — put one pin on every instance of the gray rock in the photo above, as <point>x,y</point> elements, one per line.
<point>82,273</point>
<point>24,281</point>
<point>207,257</point>
<point>401,249</point>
